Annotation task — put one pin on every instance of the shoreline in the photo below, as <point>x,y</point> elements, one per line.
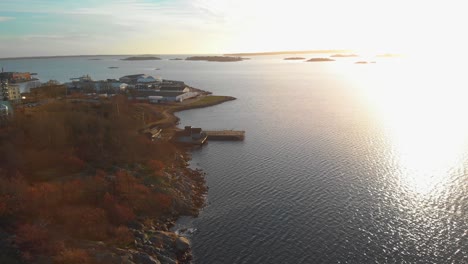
<point>170,120</point>
<point>150,238</point>
<point>191,186</point>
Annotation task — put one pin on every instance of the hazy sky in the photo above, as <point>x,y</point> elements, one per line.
<point>65,27</point>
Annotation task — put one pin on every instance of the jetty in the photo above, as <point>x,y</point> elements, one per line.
<point>225,135</point>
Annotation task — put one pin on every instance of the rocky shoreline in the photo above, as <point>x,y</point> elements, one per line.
<point>155,242</point>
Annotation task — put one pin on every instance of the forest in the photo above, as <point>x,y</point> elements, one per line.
<point>73,172</point>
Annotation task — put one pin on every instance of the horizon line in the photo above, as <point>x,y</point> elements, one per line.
<point>166,54</point>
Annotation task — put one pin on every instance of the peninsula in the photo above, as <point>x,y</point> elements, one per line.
<point>215,58</point>
<point>93,169</point>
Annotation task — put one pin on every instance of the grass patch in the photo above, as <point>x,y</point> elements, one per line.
<point>210,100</point>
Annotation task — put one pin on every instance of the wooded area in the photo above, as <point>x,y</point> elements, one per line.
<point>74,171</point>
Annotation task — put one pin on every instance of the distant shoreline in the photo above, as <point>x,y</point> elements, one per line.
<point>176,54</point>
<point>286,52</point>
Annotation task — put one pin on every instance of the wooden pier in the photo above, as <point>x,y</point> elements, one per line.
<point>225,135</point>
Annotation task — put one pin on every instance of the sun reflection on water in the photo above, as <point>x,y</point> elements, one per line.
<point>423,110</point>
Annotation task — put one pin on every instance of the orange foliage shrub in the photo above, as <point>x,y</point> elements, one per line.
<point>163,201</point>
<point>41,199</point>
<point>73,256</point>
<point>155,165</point>
<point>122,236</point>
<point>72,192</point>
<point>32,239</point>
<point>118,214</point>
<point>3,206</point>
<point>73,164</point>
<point>85,221</point>
<point>11,195</point>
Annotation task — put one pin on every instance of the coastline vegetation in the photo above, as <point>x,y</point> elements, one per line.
<point>74,173</point>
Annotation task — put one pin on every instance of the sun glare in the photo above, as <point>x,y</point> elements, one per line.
<point>423,110</point>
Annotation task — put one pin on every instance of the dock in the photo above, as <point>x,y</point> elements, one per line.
<point>235,135</point>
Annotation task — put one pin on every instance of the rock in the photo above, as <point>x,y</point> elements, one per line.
<point>182,244</point>
<point>107,257</point>
<point>320,59</point>
<point>127,259</point>
<point>215,58</point>
<point>140,235</point>
<point>136,225</point>
<point>142,258</point>
<point>166,260</point>
<point>160,238</point>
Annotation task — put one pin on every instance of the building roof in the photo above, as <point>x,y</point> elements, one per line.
<point>172,87</point>
<point>157,93</point>
<point>133,75</point>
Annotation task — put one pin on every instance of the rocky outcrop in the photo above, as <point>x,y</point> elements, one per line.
<point>137,58</point>
<point>144,258</point>
<point>320,59</point>
<point>182,244</point>
<point>294,58</point>
<point>215,58</point>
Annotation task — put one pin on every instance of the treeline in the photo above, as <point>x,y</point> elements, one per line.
<point>74,171</point>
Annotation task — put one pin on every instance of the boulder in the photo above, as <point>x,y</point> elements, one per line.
<point>182,244</point>
<point>143,258</point>
<point>166,259</point>
<point>161,238</point>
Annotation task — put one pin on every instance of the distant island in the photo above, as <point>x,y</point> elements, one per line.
<point>94,59</point>
<point>343,55</point>
<point>294,58</point>
<point>176,59</point>
<point>388,55</point>
<point>364,62</point>
<point>137,58</point>
<point>113,67</point>
<point>320,59</point>
<point>215,58</point>
<point>287,52</point>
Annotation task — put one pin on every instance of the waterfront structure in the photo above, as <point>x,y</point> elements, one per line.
<point>190,135</point>
<point>14,93</point>
<point>130,78</point>
<point>174,87</point>
<point>23,80</point>
<point>4,89</point>
<point>235,135</point>
<point>158,97</point>
<point>137,86</point>
<point>148,79</point>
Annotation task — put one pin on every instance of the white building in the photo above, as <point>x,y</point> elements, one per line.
<point>147,79</point>
<point>14,93</point>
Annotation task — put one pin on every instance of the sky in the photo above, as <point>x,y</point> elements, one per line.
<point>77,27</point>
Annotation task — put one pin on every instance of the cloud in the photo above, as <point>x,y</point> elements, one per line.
<point>3,18</point>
